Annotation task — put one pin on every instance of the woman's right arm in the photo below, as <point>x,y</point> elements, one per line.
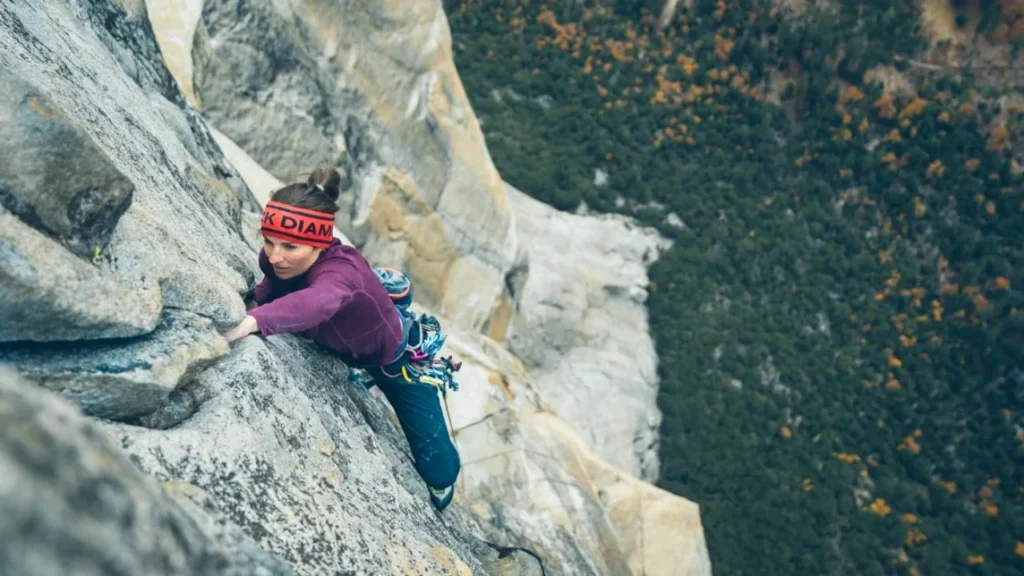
<point>300,310</point>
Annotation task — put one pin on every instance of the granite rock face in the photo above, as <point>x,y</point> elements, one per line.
<point>370,87</point>
<point>66,487</point>
<point>48,294</point>
<point>123,379</point>
<point>270,460</point>
<point>582,328</point>
<point>308,464</point>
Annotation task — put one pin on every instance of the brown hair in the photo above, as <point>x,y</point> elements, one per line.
<point>319,192</point>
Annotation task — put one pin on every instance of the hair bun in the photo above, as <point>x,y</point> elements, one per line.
<point>327,179</point>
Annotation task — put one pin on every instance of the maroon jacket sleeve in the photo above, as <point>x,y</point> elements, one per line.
<point>303,309</point>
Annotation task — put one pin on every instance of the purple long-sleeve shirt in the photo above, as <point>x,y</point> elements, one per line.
<point>339,303</point>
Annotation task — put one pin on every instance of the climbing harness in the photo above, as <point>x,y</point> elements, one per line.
<point>417,361</point>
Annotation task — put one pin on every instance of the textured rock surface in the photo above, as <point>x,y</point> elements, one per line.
<point>308,464</point>
<point>48,294</point>
<point>274,460</point>
<point>371,87</point>
<point>533,481</point>
<point>52,175</point>
<point>65,487</point>
<point>98,64</point>
<point>122,379</point>
<point>582,328</point>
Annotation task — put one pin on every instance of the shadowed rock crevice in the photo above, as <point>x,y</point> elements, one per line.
<point>121,379</point>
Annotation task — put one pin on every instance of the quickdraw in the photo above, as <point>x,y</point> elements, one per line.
<point>418,363</point>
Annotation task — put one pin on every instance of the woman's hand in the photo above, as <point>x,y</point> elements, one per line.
<point>245,327</point>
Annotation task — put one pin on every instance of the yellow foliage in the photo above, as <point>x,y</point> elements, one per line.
<point>785,432</point>
<point>843,134</point>
<point>910,518</point>
<point>914,537</point>
<point>863,126</point>
<point>920,208</point>
<point>976,560</point>
<point>619,50</point>
<point>915,107</point>
<point>885,107</point>
<point>893,136</point>
<point>943,117</point>
<point>935,169</point>
<point>949,289</point>
<point>895,362</point>
<point>966,108</point>
<point>723,47</point>
<point>602,91</point>
<point>892,384</point>
<point>851,94</point>
<point>1001,283</point>
<point>998,139</point>
<point>848,458</point>
<point>808,485</point>
<point>888,158</point>
<point>980,302</point>
<point>949,486</point>
<point>1019,549</point>
<point>880,507</point>
<point>910,444</point>
<point>689,65</point>
<point>990,509</point>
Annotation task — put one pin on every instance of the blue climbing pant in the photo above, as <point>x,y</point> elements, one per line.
<point>418,407</point>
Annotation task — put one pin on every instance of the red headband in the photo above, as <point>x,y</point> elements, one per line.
<point>298,225</point>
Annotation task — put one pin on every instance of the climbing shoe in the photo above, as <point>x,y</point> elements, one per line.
<point>440,498</point>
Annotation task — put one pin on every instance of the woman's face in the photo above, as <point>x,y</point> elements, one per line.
<point>289,260</point>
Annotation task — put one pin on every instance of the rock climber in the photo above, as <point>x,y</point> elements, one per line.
<point>317,286</point>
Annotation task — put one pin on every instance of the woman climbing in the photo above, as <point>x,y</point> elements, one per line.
<point>327,291</point>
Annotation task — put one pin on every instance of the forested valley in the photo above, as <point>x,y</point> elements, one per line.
<point>838,323</point>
